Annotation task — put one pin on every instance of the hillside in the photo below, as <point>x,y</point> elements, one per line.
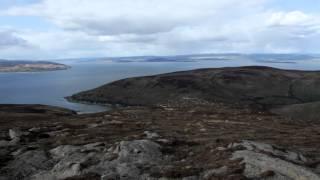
<point>30,66</point>
<point>263,88</point>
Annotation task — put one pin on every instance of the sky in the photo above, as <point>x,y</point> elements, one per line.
<point>57,29</point>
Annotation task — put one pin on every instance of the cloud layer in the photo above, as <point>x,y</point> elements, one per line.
<point>8,40</point>
<point>154,27</point>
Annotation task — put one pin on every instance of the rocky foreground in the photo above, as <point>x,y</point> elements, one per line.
<point>185,139</point>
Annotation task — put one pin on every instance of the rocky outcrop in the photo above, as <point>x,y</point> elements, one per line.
<point>27,164</point>
<point>147,160</point>
<point>263,159</point>
<point>127,160</point>
<point>201,142</point>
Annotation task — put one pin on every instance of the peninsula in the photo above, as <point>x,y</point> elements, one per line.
<point>30,66</point>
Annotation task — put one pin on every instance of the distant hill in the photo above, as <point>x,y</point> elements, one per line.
<point>30,66</point>
<point>261,58</point>
<point>259,87</point>
<point>256,85</point>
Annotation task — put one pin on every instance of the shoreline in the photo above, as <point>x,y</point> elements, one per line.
<point>38,71</point>
<point>116,105</point>
<point>106,105</point>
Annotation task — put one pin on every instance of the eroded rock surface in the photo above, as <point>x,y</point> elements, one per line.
<point>260,158</point>
<point>156,160</point>
<point>127,160</point>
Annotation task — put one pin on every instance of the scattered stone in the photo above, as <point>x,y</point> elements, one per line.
<point>203,130</point>
<point>221,148</point>
<point>191,153</point>
<point>274,150</point>
<point>15,136</point>
<point>35,129</point>
<point>110,176</point>
<point>151,135</point>
<point>94,145</point>
<point>98,146</point>
<point>113,122</point>
<point>64,150</point>
<point>222,171</point>
<point>164,141</point>
<point>93,125</point>
<point>58,134</point>
<point>141,151</point>
<point>19,151</point>
<point>15,133</point>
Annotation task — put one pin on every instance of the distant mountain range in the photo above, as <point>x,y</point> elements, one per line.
<point>30,66</point>
<point>267,58</point>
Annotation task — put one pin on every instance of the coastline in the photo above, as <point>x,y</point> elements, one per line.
<point>38,70</point>
<point>106,104</point>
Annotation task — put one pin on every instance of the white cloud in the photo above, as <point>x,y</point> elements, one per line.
<point>111,17</point>
<point>294,18</point>
<point>146,27</point>
<point>295,25</point>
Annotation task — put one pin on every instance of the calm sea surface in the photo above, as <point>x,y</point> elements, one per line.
<point>50,88</point>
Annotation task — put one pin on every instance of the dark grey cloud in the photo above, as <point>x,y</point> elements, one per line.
<point>9,39</point>
<point>121,25</point>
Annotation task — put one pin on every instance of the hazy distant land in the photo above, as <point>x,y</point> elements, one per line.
<point>30,66</point>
